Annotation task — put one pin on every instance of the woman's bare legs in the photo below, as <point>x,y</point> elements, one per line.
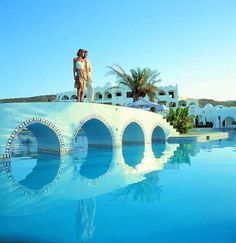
<point>79,93</point>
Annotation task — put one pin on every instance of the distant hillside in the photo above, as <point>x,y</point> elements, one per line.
<point>41,98</point>
<point>203,102</point>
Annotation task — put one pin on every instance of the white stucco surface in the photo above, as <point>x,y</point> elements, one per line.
<point>65,119</point>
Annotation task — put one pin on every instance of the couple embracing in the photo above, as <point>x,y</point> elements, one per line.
<point>82,75</point>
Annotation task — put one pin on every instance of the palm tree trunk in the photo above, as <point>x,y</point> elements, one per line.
<point>135,96</point>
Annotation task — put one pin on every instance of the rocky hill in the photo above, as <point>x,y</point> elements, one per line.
<point>203,102</point>
<point>41,98</point>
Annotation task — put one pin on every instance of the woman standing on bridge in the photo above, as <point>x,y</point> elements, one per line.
<point>79,74</point>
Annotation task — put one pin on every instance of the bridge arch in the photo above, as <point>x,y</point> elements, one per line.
<point>133,132</point>
<point>133,143</point>
<point>90,134</point>
<point>97,130</point>
<point>48,136</point>
<point>158,133</point>
<point>39,177</point>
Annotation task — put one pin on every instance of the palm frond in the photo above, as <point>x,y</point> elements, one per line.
<point>140,81</point>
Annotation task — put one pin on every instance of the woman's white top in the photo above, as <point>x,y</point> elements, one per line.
<point>79,65</point>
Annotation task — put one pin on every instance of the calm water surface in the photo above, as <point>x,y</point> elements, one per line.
<point>178,193</point>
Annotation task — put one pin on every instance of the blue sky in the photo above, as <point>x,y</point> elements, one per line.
<point>191,42</point>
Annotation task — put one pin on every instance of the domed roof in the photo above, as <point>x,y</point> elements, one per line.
<point>208,106</point>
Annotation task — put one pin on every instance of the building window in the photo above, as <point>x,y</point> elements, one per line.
<point>162,92</point>
<point>172,104</point>
<point>65,97</point>
<point>162,102</point>
<point>73,97</point>
<point>129,95</point>
<point>98,96</point>
<point>171,94</point>
<point>107,95</point>
<point>118,94</point>
<point>182,103</point>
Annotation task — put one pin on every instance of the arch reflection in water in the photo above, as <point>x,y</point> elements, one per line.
<point>96,163</point>
<point>158,148</point>
<point>133,144</point>
<point>158,142</point>
<point>35,172</point>
<point>29,167</point>
<point>92,160</point>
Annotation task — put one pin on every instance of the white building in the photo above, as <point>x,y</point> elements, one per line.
<point>111,93</point>
<point>214,116</point>
<point>188,103</point>
<point>121,95</point>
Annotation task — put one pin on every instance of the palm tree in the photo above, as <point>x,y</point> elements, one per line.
<point>140,81</point>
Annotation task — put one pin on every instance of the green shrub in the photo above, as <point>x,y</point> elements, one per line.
<point>180,119</point>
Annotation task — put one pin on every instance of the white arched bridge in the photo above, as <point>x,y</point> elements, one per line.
<point>56,125</point>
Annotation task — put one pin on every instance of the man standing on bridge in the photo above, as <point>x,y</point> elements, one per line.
<point>89,83</point>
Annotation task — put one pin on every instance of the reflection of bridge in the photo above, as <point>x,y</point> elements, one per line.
<point>56,125</point>
<point>66,183</point>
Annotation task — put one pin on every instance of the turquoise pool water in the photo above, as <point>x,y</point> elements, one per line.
<point>178,193</point>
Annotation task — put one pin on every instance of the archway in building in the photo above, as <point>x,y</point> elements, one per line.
<point>73,97</point>
<point>162,92</point>
<point>172,104</point>
<point>98,96</point>
<point>196,121</point>
<point>229,122</point>
<point>65,97</point>
<point>182,103</point>
<point>107,95</point>
<point>133,144</point>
